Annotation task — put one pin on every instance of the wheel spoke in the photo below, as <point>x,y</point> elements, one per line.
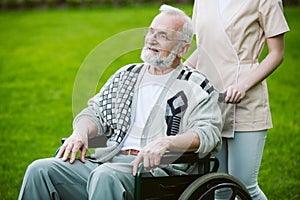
<point>205,187</point>
<point>233,194</point>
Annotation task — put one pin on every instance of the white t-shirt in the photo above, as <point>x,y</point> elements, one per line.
<point>222,4</point>
<point>149,90</point>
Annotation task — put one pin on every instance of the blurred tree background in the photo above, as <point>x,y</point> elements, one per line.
<point>25,4</point>
<point>21,4</point>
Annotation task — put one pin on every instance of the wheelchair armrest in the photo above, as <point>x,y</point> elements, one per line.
<point>180,157</point>
<point>187,157</point>
<point>94,142</point>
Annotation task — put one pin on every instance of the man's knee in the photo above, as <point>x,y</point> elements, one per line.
<point>103,175</point>
<point>43,166</point>
<point>38,165</point>
<point>115,184</point>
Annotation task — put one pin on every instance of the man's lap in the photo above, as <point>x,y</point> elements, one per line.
<point>57,166</point>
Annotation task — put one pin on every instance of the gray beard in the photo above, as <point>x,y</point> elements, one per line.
<point>158,60</point>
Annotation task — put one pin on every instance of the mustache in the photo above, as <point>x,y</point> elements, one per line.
<point>158,49</point>
<point>152,48</point>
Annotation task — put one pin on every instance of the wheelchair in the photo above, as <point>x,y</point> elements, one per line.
<point>201,185</point>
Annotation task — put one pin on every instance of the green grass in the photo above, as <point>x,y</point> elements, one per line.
<point>280,175</point>
<point>40,57</point>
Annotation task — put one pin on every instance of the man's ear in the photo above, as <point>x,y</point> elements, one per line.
<point>183,50</point>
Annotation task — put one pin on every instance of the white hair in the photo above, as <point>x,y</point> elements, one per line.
<point>187,28</point>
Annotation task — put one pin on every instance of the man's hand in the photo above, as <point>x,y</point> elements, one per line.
<point>78,141</point>
<point>150,155</point>
<point>71,146</point>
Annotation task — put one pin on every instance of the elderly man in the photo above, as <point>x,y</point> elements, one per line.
<point>143,110</point>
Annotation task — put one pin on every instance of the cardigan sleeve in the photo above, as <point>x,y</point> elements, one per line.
<point>206,120</point>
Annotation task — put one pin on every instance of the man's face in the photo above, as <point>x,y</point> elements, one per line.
<point>162,41</point>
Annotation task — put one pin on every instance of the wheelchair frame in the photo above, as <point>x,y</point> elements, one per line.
<point>193,186</point>
<point>201,186</point>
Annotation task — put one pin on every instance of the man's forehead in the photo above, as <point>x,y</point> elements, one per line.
<point>166,22</point>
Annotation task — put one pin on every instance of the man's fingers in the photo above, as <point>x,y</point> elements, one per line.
<point>157,160</point>
<point>70,149</point>
<point>135,164</point>
<point>73,155</point>
<point>82,154</point>
<point>146,162</point>
<point>75,149</point>
<point>60,152</point>
<point>67,152</point>
<point>134,169</point>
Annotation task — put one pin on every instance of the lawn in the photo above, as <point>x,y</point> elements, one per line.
<point>51,61</point>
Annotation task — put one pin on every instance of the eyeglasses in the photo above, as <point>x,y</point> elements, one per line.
<point>162,36</point>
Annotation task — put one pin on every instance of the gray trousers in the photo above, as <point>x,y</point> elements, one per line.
<point>51,178</point>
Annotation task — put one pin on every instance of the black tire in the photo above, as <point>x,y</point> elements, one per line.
<point>205,186</point>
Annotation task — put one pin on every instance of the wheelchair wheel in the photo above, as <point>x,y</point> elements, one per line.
<point>205,186</point>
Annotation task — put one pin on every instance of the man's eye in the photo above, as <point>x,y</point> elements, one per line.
<point>163,36</point>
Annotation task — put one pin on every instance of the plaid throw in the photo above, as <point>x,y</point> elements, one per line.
<point>115,101</point>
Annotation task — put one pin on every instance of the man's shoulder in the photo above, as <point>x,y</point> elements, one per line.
<point>188,72</point>
<point>194,76</point>
<point>133,67</point>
